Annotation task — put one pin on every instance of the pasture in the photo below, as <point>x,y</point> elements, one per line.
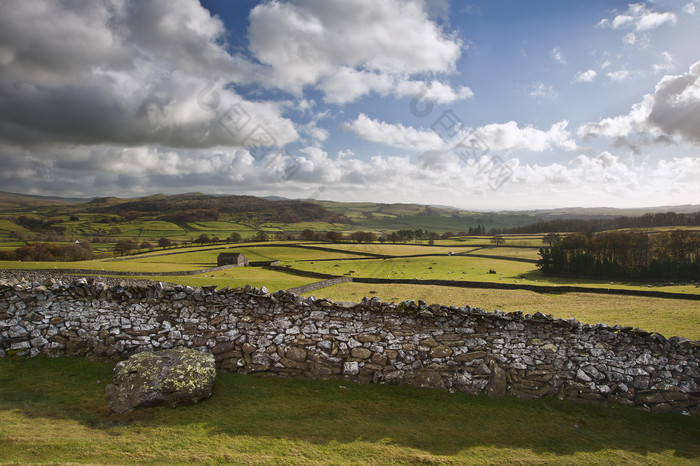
<point>54,410</point>
<point>666,316</point>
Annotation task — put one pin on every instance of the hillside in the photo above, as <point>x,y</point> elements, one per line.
<point>194,207</point>
<point>13,201</point>
<point>183,215</point>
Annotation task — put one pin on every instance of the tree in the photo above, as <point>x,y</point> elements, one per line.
<point>498,240</point>
<point>164,242</point>
<point>146,245</point>
<point>234,237</point>
<point>307,235</point>
<point>334,236</point>
<point>203,239</point>
<point>124,246</point>
<point>18,235</point>
<point>262,236</point>
<point>551,239</point>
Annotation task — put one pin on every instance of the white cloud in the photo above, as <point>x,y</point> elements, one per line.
<point>689,8</point>
<point>395,135</point>
<point>639,18</point>
<point>435,90</point>
<point>666,63</point>
<point>672,110</point>
<point>509,137</point>
<point>539,89</point>
<point>557,55</point>
<point>585,76</point>
<point>348,48</point>
<point>676,105</point>
<point>314,132</point>
<point>434,176</point>
<point>498,137</point>
<point>621,126</point>
<point>619,75</point>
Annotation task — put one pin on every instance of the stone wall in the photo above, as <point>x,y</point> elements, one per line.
<point>458,349</point>
<point>318,285</point>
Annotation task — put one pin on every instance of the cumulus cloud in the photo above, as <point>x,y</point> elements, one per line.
<point>127,73</point>
<point>640,18</point>
<point>396,135</point>
<point>672,110</point>
<point>435,91</point>
<point>348,49</point>
<point>502,137</point>
<point>510,137</point>
<point>676,105</point>
<point>434,176</point>
<point>585,76</point>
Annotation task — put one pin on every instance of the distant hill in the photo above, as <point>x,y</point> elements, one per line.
<point>256,212</point>
<point>189,207</point>
<point>193,207</point>
<point>13,201</point>
<point>603,212</point>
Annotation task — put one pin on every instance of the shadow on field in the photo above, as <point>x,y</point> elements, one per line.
<point>321,412</point>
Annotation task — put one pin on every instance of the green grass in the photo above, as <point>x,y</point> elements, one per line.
<point>236,277</point>
<point>666,316</point>
<point>7,225</point>
<point>438,267</point>
<point>54,410</point>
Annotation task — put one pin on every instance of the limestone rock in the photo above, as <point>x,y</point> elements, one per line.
<point>173,377</point>
<point>441,351</point>
<point>429,379</point>
<point>497,381</point>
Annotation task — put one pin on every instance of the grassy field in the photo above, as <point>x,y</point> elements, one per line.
<point>470,268</point>
<point>54,410</point>
<point>273,280</point>
<point>666,316</point>
<point>340,260</point>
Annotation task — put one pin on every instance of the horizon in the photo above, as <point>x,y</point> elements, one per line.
<point>523,209</point>
<point>486,106</point>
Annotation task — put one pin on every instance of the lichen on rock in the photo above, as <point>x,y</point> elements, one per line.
<point>173,377</point>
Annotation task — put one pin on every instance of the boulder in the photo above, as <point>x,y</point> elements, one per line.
<point>173,377</point>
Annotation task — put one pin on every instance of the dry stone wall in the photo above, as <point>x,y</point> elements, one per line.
<point>458,349</point>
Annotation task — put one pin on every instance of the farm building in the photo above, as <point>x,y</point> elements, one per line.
<point>232,258</point>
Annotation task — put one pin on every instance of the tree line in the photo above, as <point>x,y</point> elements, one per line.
<point>50,252</point>
<point>619,254</point>
<point>593,225</point>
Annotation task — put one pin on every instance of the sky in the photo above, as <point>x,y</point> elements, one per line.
<point>481,105</point>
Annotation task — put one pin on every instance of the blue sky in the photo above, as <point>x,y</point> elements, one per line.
<point>482,105</point>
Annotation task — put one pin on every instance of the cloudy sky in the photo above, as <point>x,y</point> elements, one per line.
<point>481,105</point>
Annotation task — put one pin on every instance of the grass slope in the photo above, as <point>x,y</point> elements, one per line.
<point>54,410</point>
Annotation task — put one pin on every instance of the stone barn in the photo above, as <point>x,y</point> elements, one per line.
<point>232,258</point>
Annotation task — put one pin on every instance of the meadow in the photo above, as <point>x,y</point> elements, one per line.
<point>666,316</point>
<point>54,410</point>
